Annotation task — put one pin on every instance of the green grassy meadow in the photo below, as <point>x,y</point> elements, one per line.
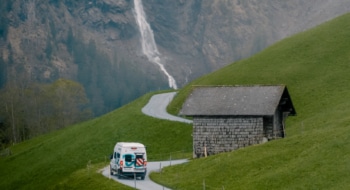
<point>315,66</point>
<point>71,158</point>
<point>315,154</point>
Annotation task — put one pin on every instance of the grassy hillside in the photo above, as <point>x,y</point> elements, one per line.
<point>315,66</point>
<point>71,158</point>
<point>315,155</point>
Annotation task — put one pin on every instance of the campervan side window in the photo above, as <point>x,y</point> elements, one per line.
<point>128,158</point>
<point>118,155</point>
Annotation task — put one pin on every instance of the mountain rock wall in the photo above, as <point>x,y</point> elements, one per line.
<point>91,40</point>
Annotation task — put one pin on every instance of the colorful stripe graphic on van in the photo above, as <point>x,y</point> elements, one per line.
<point>139,162</point>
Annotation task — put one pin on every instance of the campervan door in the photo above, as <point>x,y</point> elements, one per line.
<point>129,159</point>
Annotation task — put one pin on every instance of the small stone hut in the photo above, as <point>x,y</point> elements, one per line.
<point>227,118</point>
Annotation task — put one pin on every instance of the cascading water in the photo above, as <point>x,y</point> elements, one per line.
<point>149,46</point>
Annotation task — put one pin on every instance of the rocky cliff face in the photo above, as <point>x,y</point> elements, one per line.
<point>38,33</point>
<point>211,34</point>
<point>97,42</point>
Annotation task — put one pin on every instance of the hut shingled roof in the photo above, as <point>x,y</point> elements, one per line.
<point>237,100</point>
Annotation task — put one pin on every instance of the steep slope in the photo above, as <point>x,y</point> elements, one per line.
<point>314,155</point>
<point>97,42</point>
<point>92,42</point>
<point>202,36</point>
<point>314,66</point>
<point>72,157</point>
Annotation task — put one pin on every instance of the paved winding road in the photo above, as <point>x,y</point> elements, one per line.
<point>156,107</point>
<point>147,183</point>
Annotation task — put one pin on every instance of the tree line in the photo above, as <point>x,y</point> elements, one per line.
<point>109,81</point>
<point>31,109</point>
<point>33,105</point>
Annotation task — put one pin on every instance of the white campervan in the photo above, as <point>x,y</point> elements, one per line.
<point>129,159</point>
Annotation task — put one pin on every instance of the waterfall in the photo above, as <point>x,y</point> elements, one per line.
<point>149,46</point>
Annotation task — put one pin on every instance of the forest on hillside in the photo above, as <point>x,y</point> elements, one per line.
<point>37,99</point>
<point>95,45</point>
<point>31,109</point>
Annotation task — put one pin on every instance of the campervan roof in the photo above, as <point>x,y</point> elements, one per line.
<point>131,144</point>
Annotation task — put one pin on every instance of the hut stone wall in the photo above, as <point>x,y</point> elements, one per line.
<point>212,135</point>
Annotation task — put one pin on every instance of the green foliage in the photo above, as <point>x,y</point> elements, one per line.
<point>5,8</point>
<point>3,72</point>
<point>314,155</point>
<point>314,65</point>
<point>31,109</point>
<point>108,84</point>
<point>59,160</point>
<point>70,40</point>
<point>48,49</point>
<point>69,102</point>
